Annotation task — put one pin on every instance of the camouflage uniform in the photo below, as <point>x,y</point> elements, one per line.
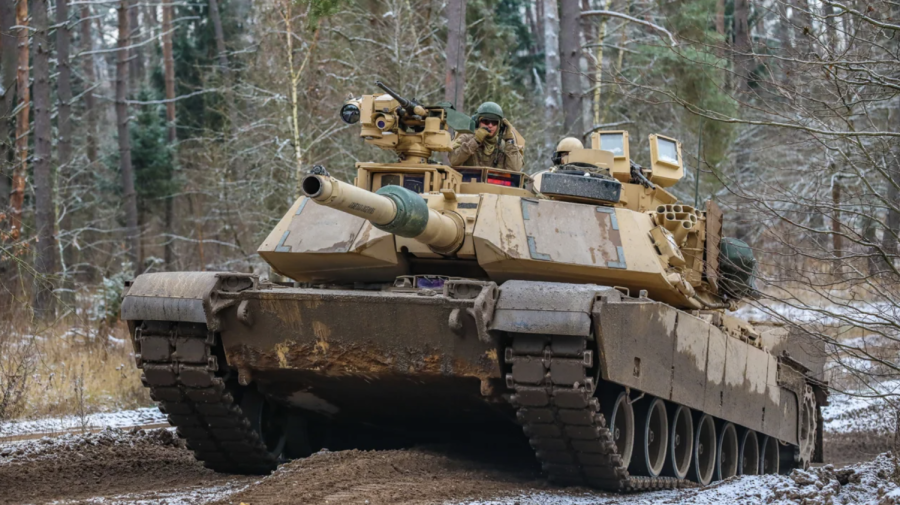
<point>504,154</point>
<point>493,151</point>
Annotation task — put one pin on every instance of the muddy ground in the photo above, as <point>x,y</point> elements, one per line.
<point>148,467</point>
<point>153,466</point>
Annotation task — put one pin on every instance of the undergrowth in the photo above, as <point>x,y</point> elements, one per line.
<point>78,365</point>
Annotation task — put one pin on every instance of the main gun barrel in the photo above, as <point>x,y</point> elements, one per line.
<point>393,209</point>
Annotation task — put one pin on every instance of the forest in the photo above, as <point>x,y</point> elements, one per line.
<point>146,136</point>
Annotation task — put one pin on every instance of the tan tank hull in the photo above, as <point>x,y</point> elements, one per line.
<point>304,348</point>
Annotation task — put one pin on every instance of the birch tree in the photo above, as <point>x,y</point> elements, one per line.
<point>552,80</point>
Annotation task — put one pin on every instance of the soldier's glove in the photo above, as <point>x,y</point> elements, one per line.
<point>481,134</point>
<point>508,131</point>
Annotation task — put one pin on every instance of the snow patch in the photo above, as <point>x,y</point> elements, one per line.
<point>119,419</point>
<point>857,411</point>
<point>181,497</point>
<point>870,483</point>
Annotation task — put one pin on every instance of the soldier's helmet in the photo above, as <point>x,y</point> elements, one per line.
<point>564,147</point>
<point>489,110</point>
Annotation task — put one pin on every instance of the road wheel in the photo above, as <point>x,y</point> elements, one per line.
<point>749,450</point>
<point>620,420</point>
<point>727,452</point>
<point>769,455</point>
<point>651,438</point>
<point>681,441</point>
<point>703,460</point>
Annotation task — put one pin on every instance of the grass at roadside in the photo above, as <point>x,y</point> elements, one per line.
<point>67,368</point>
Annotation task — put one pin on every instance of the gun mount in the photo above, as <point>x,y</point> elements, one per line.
<point>412,130</point>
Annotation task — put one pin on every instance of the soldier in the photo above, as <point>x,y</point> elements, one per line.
<point>565,146</point>
<point>492,145</point>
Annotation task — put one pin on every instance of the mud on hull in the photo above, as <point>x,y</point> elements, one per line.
<point>453,354</point>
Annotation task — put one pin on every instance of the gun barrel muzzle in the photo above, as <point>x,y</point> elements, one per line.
<point>331,192</point>
<point>393,209</point>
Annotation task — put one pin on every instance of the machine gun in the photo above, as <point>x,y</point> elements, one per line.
<point>410,107</point>
<point>637,174</point>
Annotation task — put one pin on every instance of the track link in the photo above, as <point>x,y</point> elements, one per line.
<point>556,407</point>
<point>180,371</point>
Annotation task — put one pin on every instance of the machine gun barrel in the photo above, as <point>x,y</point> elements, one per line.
<point>409,106</point>
<point>393,209</point>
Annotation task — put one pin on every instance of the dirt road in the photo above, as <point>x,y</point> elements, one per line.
<point>153,467</point>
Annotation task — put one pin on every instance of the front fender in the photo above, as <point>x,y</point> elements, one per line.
<point>550,308</point>
<point>191,297</point>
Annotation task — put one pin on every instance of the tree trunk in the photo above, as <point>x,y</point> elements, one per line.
<point>552,82</point>
<point>17,198</point>
<point>784,35</point>
<point>873,257</point>
<point>570,57</point>
<point>830,29</point>
<point>44,215</point>
<point>720,19</point>
<point>220,34</point>
<point>64,141</point>
<point>801,26</point>
<point>151,32</point>
<point>743,60</point>
<point>169,71</point>
<point>539,20</point>
<point>598,68</point>
<point>455,77</point>
<point>533,28</point>
<point>296,73</point>
<point>837,240</point>
<point>136,56</point>
<point>7,98</point>
<point>589,32</point>
<point>125,168</point>
<point>87,69</point>
<point>889,241</point>
<point>223,62</point>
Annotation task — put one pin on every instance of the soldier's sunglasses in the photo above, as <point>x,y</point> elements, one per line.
<point>489,122</point>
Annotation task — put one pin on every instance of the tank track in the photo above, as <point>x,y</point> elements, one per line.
<point>556,407</point>
<point>180,370</point>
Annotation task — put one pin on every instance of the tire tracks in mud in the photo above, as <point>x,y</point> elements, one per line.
<point>109,463</point>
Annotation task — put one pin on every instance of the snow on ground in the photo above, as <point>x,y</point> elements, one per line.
<point>861,312</point>
<point>120,419</point>
<point>191,496</point>
<point>49,446</point>
<point>862,410</point>
<point>870,483</point>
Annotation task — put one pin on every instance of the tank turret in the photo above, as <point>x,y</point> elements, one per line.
<point>393,209</point>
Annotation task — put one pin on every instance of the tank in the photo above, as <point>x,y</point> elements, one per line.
<point>585,307</point>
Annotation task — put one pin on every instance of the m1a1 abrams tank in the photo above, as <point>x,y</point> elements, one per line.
<point>593,314</point>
